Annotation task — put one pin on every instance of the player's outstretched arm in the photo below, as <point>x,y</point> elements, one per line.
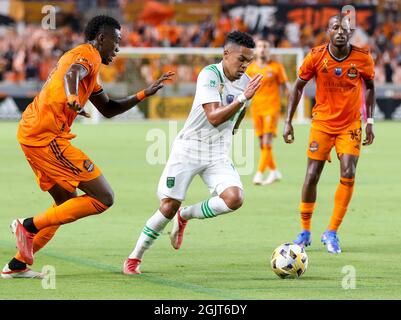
<point>370,104</point>
<point>218,114</point>
<point>110,108</point>
<point>295,96</point>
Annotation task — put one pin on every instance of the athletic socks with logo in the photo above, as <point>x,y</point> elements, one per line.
<point>206,209</point>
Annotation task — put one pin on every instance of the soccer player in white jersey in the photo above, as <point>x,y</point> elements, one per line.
<point>201,148</point>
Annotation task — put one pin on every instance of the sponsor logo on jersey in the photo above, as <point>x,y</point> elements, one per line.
<point>338,71</point>
<point>88,165</point>
<point>229,98</point>
<point>170,182</point>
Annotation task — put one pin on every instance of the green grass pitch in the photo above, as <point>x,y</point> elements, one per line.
<point>222,258</point>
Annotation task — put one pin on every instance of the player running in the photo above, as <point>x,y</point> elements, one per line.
<point>339,69</point>
<point>44,133</point>
<point>265,107</point>
<point>201,148</point>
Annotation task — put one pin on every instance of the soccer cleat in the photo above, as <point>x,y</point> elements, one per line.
<point>7,273</point>
<point>330,239</point>
<point>131,266</point>
<point>258,178</point>
<point>304,239</point>
<point>177,232</point>
<point>24,240</point>
<point>274,175</point>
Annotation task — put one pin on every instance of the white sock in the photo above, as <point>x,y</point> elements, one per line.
<point>206,209</point>
<point>153,227</point>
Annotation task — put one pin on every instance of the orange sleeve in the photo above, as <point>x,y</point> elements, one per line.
<point>307,70</point>
<point>97,89</point>
<point>85,58</point>
<point>282,76</point>
<point>368,70</point>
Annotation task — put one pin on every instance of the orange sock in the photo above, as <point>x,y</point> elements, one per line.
<point>341,200</point>
<point>69,211</point>
<point>266,159</point>
<point>306,209</point>
<point>270,159</point>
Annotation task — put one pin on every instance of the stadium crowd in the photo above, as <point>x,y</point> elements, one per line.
<point>29,52</point>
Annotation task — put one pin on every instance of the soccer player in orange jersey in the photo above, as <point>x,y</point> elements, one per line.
<point>265,108</point>
<point>339,69</point>
<point>44,133</point>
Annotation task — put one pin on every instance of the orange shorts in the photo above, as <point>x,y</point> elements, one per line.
<point>346,142</point>
<point>60,163</point>
<point>265,124</point>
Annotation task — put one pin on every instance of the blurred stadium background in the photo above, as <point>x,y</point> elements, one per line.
<point>185,36</point>
<point>174,35</point>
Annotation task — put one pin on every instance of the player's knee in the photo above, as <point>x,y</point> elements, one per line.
<point>234,201</point>
<point>348,173</point>
<point>107,198</point>
<point>169,207</point>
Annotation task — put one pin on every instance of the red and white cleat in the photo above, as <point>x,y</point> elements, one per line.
<point>7,273</point>
<point>131,266</point>
<point>24,240</point>
<point>177,232</point>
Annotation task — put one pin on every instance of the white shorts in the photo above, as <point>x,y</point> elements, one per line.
<point>178,174</point>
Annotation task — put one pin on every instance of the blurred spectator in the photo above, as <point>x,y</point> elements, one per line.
<point>31,52</point>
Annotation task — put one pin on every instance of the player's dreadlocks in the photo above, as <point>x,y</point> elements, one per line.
<point>97,24</point>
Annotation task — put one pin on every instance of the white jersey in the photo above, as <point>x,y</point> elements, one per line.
<point>199,139</point>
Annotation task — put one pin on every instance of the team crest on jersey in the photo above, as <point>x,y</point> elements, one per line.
<point>352,72</point>
<point>325,65</point>
<point>338,71</point>
<point>170,182</point>
<point>229,98</point>
<point>212,84</point>
<point>88,165</point>
<point>314,146</point>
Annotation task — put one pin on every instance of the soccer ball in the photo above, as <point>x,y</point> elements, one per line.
<point>289,260</point>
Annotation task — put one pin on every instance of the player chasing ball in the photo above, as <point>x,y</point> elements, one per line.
<point>201,148</point>
<point>44,134</point>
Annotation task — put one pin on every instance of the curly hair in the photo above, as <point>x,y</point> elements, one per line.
<point>96,24</point>
<point>240,38</point>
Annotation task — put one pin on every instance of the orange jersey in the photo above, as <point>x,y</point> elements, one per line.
<point>338,86</point>
<point>266,101</point>
<point>48,116</point>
